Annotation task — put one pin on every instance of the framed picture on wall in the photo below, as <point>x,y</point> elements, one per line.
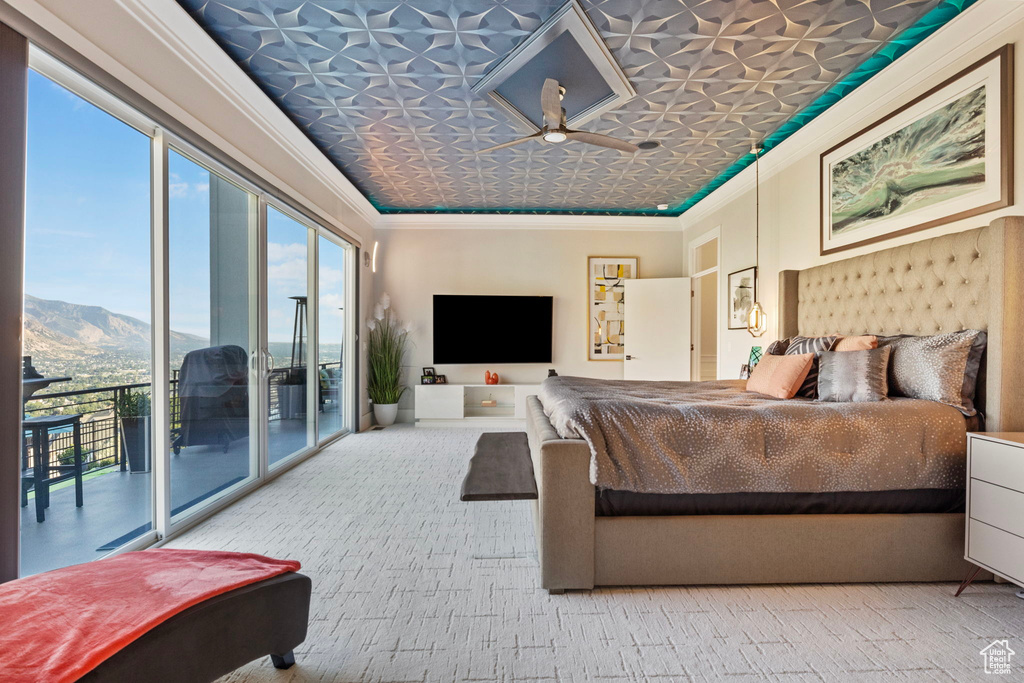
<point>606,304</point>
<point>943,157</point>
<point>742,295</point>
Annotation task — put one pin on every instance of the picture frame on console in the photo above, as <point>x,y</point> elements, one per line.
<point>942,157</point>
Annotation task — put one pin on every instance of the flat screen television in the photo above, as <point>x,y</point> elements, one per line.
<point>491,329</point>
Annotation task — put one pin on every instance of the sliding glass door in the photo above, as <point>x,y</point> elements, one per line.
<point>331,348</point>
<point>86,472</point>
<point>213,425</point>
<point>184,332</point>
<point>291,414</point>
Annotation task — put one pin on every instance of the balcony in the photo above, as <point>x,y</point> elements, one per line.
<point>117,502</point>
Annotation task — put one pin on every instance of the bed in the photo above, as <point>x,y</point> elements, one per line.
<point>964,280</point>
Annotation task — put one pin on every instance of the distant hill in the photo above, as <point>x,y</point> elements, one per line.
<point>59,328</point>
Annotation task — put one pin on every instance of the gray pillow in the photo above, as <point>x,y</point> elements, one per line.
<point>817,346</point>
<point>855,376</point>
<point>942,367</point>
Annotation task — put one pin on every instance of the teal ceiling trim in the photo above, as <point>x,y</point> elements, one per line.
<point>889,53</point>
<point>529,212</point>
<point>384,88</point>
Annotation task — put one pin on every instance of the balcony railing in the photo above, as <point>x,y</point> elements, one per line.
<point>102,445</point>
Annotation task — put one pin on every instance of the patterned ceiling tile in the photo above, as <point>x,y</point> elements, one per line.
<point>383,87</point>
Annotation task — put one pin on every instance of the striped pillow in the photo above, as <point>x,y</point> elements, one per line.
<point>817,346</point>
<point>855,376</point>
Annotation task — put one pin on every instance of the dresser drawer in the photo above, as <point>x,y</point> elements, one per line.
<point>998,463</point>
<point>997,550</point>
<point>999,507</point>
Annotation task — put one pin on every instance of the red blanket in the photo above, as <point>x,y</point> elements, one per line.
<point>60,625</point>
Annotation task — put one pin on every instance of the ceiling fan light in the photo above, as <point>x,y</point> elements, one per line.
<point>554,136</point>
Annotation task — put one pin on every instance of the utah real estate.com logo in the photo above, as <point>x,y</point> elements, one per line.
<point>997,657</point>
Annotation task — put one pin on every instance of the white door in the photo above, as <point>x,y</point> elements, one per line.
<point>657,329</point>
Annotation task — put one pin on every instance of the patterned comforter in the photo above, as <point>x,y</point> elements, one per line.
<point>714,437</point>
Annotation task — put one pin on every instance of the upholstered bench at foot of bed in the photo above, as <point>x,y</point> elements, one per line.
<point>217,636</point>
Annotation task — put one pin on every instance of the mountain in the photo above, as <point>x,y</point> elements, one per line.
<point>60,328</point>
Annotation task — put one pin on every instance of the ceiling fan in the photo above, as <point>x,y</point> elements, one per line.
<point>554,129</point>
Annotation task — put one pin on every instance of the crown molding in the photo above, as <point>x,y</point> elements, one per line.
<point>166,23</point>
<point>169,23</point>
<point>919,67</point>
<point>426,221</point>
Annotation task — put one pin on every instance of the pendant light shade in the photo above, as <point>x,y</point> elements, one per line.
<point>757,319</point>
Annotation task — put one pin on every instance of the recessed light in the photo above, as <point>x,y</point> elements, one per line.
<point>662,207</point>
<point>648,144</point>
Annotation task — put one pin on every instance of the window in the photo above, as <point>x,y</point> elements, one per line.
<point>229,389</point>
<point>87,331</point>
<point>289,416</point>
<point>211,225</point>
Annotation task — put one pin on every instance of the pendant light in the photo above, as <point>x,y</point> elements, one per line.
<point>757,319</point>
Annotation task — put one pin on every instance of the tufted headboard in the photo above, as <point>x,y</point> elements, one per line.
<point>966,280</point>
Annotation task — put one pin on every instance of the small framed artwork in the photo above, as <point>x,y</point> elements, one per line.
<point>606,304</point>
<point>742,295</point>
<point>427,379</point>
<point>440,379</point>
<point>428,372</point>
<point>942,157</point>
<point>745,371</point>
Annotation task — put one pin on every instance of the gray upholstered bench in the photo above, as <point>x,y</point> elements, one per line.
<point>500,469</point>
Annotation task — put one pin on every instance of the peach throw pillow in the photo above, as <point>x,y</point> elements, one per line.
<point>780,376</point>
<point>862,343</point>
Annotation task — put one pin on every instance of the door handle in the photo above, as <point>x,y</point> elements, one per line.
<point>632,358</point>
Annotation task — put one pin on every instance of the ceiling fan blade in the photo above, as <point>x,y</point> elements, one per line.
<point>551,104</point>
<point>602,141</point>
<point>510,143</point>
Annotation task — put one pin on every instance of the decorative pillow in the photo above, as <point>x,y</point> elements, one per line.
<point>778,348</point>
<point>855,376</point>
<point>815,346</point>
<point>780,376</point>
<point>861,343</point>
<point>942,367</point>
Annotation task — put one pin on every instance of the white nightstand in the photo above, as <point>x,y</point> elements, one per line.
<point>995,505</point>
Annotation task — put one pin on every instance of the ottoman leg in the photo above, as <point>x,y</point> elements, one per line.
<point>284,661</point>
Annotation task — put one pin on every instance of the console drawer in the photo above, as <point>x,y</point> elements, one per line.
<point>997,506</point>
<point>997,463</point>
<point>996,549</point>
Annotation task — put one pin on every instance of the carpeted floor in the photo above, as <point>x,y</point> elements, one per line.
<point>398,594</point>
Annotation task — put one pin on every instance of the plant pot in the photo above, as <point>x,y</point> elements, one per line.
<point>135,440</point>
<point>291,401</point>
<point>385,413</point>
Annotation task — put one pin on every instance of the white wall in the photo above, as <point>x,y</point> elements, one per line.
<point>790,176</point>
<point>415,264</point>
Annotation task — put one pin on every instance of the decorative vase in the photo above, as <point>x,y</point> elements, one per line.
<point>385,413</point>
<point>135,434</point>
<point>491,378</point>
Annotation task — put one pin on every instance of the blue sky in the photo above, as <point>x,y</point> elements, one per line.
<point>88,218</point>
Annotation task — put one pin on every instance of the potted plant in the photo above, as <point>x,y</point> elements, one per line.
<point>291,394</point>
<point>133,409</point>
<point>386,344</point>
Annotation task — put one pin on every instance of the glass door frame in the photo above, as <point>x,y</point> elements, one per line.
<point>64,76</point>
<point>314,231</point>
<point>163,141</point>
<point>350,265</point>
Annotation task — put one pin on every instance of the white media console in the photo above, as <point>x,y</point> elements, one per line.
<point>444,403</point>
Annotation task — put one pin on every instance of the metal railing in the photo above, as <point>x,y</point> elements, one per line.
<point>102,445</point>
<point>101,440</point>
